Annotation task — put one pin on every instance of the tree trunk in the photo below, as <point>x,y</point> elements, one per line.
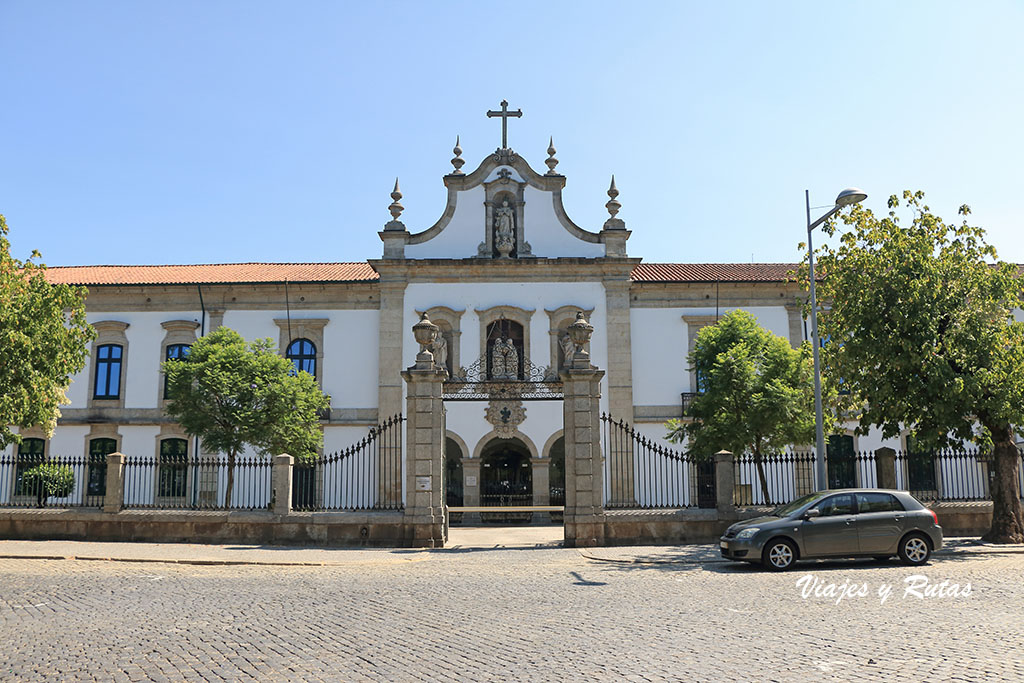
<point>1007,519</point>
<point>231,480</point>
<point>759,461</point>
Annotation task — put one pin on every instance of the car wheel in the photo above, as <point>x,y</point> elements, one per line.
<point>779,555</point>
<point>915,550</point>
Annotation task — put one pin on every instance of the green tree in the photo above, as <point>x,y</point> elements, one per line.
<point>231,395</point>
<point>50,480</point>
<point>43,343</point>
<point>757,392</point>
<point>922,317</point>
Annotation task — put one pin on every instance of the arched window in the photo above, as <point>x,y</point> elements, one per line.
<point>99,449</point>
<point>172,478</point>
<point>175,352</point>
<point>302,354</point>
<point>30,453</point>
<point>108,371</point>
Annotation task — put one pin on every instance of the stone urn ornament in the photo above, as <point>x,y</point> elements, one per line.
<point>425,333</point>
<point>579,333</point>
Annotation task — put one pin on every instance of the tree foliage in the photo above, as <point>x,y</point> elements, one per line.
<point>43,343</point>
<point>921,316</point>
<point>757,392</point>
<point>231,395</point>
<point>49,480</point>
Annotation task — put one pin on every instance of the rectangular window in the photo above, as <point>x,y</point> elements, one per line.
<point>30,454</point>
<point>175,352</point>
<point>108,372</point>
<point>99,449</point>
<point>172,479</point>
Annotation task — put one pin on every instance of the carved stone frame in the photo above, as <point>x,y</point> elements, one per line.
<point>27,433</point>
<point>450,322</point>
<point>172,431</point>
<point>694,324</point>
<point>496,191</point>
<point>108,332</point>
<point>105,430</point>
<point>304,328</point>
<point>177,332</point>
<point>559,319</point>
<point>513,313</point>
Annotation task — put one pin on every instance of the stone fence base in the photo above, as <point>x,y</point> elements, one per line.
<point>676,527</point>
<point>372,529</point>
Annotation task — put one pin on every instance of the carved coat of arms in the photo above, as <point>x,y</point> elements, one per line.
<point>506,416</point>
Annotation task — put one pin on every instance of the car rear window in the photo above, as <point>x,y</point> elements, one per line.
<point>877,502</point>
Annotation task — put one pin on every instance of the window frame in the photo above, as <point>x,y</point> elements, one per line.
<point>104,370</point>
<point>302,356</point>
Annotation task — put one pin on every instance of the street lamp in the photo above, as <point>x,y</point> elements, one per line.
<point>850,195</point>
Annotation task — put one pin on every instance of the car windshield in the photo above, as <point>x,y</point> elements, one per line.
<point>790,508</point>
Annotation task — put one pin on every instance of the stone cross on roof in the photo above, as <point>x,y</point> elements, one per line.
<point>504,114</point>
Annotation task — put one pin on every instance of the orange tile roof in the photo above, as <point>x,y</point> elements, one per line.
<point>713,272</point>
<point>226,273</point>
<point>221,273</point>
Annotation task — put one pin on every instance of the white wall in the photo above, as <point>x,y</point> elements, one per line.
<point>458,239</point>
<point>661,343</point>
<point>542,418</point>
<point>548,238</point>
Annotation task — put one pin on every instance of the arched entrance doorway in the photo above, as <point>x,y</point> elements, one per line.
<point>506,479</point>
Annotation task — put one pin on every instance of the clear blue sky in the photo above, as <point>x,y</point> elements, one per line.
<point>204,132</point>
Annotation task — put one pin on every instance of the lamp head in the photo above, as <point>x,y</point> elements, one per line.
<point>851,195</point>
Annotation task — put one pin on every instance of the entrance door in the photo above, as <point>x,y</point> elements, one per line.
<point>506,479</point>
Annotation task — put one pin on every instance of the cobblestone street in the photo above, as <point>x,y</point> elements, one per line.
<point>507,614</point>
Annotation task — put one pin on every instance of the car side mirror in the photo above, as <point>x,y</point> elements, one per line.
<point>810,514</point>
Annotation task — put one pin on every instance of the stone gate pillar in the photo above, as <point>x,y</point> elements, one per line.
<point>584,476</point>
<point>425,516</point>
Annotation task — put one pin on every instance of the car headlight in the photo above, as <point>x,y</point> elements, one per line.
<point>747,533</point>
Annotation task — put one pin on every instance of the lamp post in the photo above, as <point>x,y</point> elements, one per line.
<point>850,195</point>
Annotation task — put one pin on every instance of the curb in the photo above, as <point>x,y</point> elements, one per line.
<point>143,560</point>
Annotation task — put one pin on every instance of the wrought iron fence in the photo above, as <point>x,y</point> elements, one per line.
<point>948,475</point>
<point>178,482</point>
<point>32,480</point>
<point>773,479</point>
<point>640,473</point>
<point>365,476</point>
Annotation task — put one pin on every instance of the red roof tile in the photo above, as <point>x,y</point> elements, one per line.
<point>713,272</point>
<point>225,273</point>
<point>211,274</point>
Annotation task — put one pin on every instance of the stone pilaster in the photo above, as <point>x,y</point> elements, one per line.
<point>795,315</point>
<point>424,456</point>
<point>113,499</point>
<point>541,480</point>
<point>584,477</point>
<point>389,368</point>
<point>471,489</point>
<point>620,380</point>
<point>281,484</point>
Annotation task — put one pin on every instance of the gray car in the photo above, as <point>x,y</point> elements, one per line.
<point>840,523</point>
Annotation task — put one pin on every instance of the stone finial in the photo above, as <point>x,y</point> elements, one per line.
<point>396,210</point>
<point>613,207</point>
<point>457,160</point>
<point>579,333</point>
<point>551,161</point>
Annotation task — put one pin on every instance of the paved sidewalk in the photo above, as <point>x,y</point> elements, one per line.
<point>461,539</point>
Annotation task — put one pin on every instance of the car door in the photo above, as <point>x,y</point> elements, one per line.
<point>880,520</point>
<point>834,531</point>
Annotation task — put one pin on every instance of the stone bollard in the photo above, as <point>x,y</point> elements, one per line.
<point>885,467</point>
<point>113,499</point>
<point>725,483</point>
<point>281,483</point>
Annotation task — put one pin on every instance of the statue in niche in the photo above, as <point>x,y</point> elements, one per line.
<point>440,351</point>
<point>504,230</point>
<point>568,349</point>
<point>504,359</point>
